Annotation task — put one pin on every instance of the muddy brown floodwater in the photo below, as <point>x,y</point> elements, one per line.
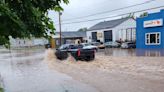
<point>27,71</point>
<point>117,73</point>
<point>113,70</point>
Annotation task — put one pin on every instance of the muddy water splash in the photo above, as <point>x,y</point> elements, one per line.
<point>29,73</point>
<point>70,58</point>
<point>52,62</point>
<point>49,55</point>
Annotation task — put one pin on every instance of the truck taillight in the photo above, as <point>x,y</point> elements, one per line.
<point>78,52</point>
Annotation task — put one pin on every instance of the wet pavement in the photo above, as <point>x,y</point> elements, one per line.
<point>26,71</point>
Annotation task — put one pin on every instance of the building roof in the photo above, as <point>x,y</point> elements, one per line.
<point>108,24</point>
<point>72,34</point>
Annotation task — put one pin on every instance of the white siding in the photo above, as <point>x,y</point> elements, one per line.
<point>27,42</point>
<point>89,34</point>
<point>39,41</point>
<point>123,31</point>
<point>119,32</point>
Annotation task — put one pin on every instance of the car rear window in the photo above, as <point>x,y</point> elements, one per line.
<point>72,47</point>
<point>80,46</point>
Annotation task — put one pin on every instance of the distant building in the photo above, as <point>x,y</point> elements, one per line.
<point>123,29</point>
<point>150,31</point>
<point>70,37</point>
<point>27,42</point>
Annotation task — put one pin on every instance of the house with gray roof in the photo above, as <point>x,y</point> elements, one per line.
<point>123,29</point>
<point>70,37</point>
<point>72,34</point>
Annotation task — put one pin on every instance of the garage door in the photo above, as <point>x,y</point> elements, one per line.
<point>94,36</point>
<point>107,36</point>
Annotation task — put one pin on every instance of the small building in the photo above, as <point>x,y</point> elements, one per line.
<point>123,29</point>
<point>150,31</point>
<point>70,37</point>
<point>28,42</point>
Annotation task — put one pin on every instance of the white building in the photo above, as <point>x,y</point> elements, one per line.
<point>114,30</point>
<point>27,42</point>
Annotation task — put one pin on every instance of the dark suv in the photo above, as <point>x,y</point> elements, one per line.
<point>77,51</point>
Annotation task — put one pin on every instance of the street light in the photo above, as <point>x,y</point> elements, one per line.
<point>60,27</point>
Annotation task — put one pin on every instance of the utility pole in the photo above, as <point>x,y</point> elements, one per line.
<point>60,27</point>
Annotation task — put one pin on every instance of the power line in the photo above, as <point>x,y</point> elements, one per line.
<point>110,10</point>
<point>75,22</point>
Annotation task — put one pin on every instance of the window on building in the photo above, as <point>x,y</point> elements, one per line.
<point>152,38</point>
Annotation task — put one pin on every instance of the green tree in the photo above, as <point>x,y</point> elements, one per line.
<point>26,18</point>
<point>144,14</point>
<point>83,29</point>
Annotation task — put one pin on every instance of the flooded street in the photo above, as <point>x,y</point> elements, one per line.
<point>122,72</point>
<point>133,52</point>
<point>113,70</point>
<point>26,71</point>
<point>82,46</point>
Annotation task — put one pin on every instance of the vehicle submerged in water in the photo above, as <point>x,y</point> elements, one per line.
<point>77,51</point>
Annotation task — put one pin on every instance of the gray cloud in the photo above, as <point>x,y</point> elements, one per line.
<point>78,8</point>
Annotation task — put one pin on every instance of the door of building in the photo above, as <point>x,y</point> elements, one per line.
<point>108,36</point>
<point>94,36</point>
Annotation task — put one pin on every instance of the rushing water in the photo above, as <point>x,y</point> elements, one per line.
<point>27,71</point>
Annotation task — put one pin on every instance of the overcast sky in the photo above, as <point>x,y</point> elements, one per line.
<point>80,8</point>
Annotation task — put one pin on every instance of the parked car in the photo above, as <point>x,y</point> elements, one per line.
<point>77,51</point>
<point>98,44</point>
<point>127,45</point>
<point>89,46</point>
<point>112,45</point>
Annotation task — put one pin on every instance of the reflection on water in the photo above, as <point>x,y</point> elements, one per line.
<point>150,52</point>
<point>120,52</point>
<point>134,52</point>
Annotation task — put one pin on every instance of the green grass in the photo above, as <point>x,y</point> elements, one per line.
<point>1,90</point>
